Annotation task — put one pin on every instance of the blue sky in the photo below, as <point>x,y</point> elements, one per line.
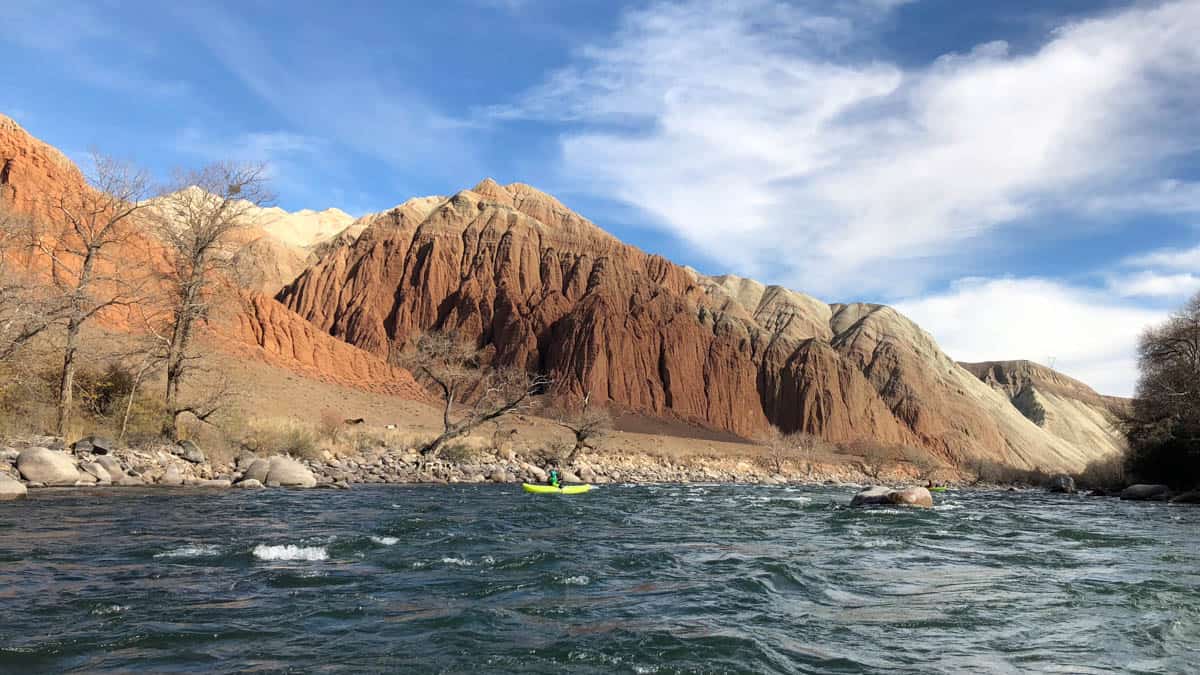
<point>1022,181</point>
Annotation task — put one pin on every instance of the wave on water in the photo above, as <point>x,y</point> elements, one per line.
<point>577,580</point>
<point>191,551</point>
<point>461,562</point>
<point>385,541</point>
<point>290,552</point>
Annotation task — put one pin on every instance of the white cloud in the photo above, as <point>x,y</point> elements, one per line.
<point>743,127</point>
<point>1173,259</point>
<point>1088,334</point>
<point>1148,284</point>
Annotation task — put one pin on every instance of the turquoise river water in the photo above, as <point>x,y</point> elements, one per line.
<point>633,579</point>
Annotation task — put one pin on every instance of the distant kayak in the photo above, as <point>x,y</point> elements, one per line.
<point>941,488</point>
<point>550,489</point>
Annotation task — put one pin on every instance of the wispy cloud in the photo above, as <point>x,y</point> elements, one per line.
<point>749,129</point>
<point>342,100</point>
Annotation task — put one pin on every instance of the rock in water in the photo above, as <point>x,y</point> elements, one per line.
<point>47,466</point>
<point>913,496</point>
<point>1192,497</point>
<point>872,496</point>
<point>11,489</point>
<point>287,472</point>
<point>189,451</point>
<point>1144,492</point>
<point>1062,483</point>
<point>879,495</point>
<point>249,484</point>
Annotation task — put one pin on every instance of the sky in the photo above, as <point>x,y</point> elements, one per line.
<point>1021,178</point>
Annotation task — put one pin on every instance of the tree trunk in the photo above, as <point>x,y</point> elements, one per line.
<point>66,383</point>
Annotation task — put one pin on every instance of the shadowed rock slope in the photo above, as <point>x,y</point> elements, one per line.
<point>517,270</point>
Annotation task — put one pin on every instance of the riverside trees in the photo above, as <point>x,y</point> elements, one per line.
<point>1163,426</point>
<point>197,223</point>
<point>472,391</point>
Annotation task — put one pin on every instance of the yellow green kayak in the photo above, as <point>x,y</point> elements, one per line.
<point>550,489</point>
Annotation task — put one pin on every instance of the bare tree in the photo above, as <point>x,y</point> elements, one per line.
<point>472,392</point>
<point>780,448</point>
<point>588,423</point>
<point>85,223</point>
<point>27,305</point>
<point>198,223</point>
<point>1163,425</point>
<point>874,457</point>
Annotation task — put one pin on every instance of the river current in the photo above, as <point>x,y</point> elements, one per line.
<point>635,579</point>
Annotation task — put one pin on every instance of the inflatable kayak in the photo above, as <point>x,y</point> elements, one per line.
<point>550,489</point>
<point>941,488</point>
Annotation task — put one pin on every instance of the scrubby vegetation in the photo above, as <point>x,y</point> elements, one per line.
<point>1163,427</point>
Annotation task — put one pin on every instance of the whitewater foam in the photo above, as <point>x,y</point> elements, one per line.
<point>290,552</point>
<point>385,541</point>
<point>578,580</point>
<point>461,562</point>
<point>191,551</point>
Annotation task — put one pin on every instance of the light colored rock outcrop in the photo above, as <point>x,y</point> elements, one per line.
<point>11,489</point>
<point>250,484</point>
<point>287,472</point>
<point>879,495</point>
<point>47,466</point>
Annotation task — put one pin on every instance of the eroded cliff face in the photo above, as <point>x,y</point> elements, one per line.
<point>515,269</point>
<point>1061,405</point>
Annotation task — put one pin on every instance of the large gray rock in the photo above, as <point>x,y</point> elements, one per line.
<point>251,484</point>
<point>872,496</point>
<point>1062,483</point>
<point>189,451</point>
<point>287,472</point>
<point>11,489</point>
<point>912,496</point>
<point>45,466</point>
<point>101,445</point>
<point>215,483</point>
<point>257,470</point>
<point>129,481</point>
<point>879,495</point>
<point>82,447</point>
<point>1144,492</point>
<point>97,470</point>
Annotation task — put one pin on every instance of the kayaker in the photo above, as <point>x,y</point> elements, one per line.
<point>555,479</point>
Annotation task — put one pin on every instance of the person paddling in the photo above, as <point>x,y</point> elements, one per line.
<point>555,480</point>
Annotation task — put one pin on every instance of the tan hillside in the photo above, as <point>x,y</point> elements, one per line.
<point>1059,404</point>
<point>549,290</point>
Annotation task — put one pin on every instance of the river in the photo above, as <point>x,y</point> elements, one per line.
<point>636,579</point>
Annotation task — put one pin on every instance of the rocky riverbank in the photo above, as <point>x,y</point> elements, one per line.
<point>45,461</point>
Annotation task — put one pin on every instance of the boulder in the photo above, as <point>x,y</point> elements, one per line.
<point>1061,483</point>
<point>1145,492</point>
<point>129,481</point>
<point>912,496</point>
<point>1191,497</point>
<point>872,496</point>
<point>189,451</point>
<point>500,476</point>
<point>287,472</point>
<point>570,477</point>
<point>171,477</point>
<point>82,447</point>
<point>97,470</point>
<point>257,470</point>
<point>251,483</point>
<point>100,445</point>
<point>537,473</point>
<point>41,465</point>
<point>86,479</point>
<point>215,483</point>
<point>11,489</point>
<point>112,466</point>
